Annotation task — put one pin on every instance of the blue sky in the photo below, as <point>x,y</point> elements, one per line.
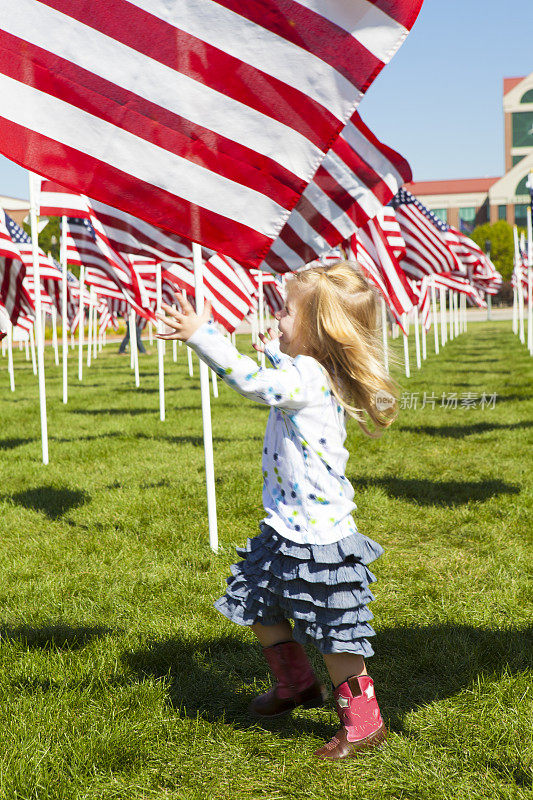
<point>439,102</point>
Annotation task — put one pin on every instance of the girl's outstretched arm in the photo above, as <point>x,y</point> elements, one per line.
<point>287,386</point>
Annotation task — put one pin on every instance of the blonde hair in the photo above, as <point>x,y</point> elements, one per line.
<point>337,321</point>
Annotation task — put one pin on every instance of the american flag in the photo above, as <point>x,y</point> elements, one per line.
<point>427,238</point>
<point>105,270</point>
<point>222,287</point>
<point>375,247</point>
<point>13,295</point>
<point>204,117</point>
<point>445,281</point>
<point>358,176</point>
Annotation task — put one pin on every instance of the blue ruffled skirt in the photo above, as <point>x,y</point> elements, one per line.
<point>324,589</point>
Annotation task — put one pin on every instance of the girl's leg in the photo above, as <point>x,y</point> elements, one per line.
<point>269,635</point>
<point>355,700</point>
<point>296,682</point>
<point>342,666</point>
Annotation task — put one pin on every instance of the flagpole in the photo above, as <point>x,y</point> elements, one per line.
<point>424,346</point>
<point>189,351</point>
<point>405,347</point>
<point>133,346</point>
<point>417,337</point>
<point>90,328</point>
<point>10,355</point>
<point>518,262</point>
<point>38,315</point>
<point>63,260</point>
<point>206,408</point>
<point>443,328</point>
<point>529,280</point>
<point>81,323</point>
<point>54,334</point>
<point>384,329</point>
<point>261,313</point>
<point>160,343</point>
<point>435,318</point>
<point>32,348</point>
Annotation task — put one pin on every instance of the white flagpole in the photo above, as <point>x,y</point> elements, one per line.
<point>529,280</point>
<point>518,262</point>
<point>63,260</point>
<point>90,329</point>
<point>206,408</point>
<point>435,318</point>
<point>133,346</point>
<point>443,328</point>
<point>95,329</point>
<point>38,315</point>
<point>417,338</point>
<point>11,371</point>
<point>261,312</point>
<point>189,351</point>
<point>406,347</point>
<point>215,384</point>
<point>81,323</point>
<point>54,335</point>
<point>132,354</point>
<point>174,345</point>
<point>456,313</point>
<point>424,345</point>
<point>450,313</point>
<point>160,343</point>
<point>384,331</point>
<point>150,333</point>
<point>32,347</point>
<point>515,308</point>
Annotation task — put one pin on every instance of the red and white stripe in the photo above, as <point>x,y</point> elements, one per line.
<point>426,249</point>
<point>358,176</point>
<point>205,118</point>
<point>222,287</point>
<point>446,281</point>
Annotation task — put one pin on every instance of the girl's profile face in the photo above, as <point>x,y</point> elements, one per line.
<point>288,342</point>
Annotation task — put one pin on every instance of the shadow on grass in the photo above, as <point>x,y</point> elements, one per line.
<point>10,444</point>
<point>460,431</point>
<point>49,500</point>
<point>53,636</point>
<point>437,493</point>
<point>414,666</point>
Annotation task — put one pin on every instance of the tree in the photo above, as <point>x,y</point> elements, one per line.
<point>500,236</point>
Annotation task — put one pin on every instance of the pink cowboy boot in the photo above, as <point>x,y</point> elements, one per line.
<point>297,684</point>
<point>360,717</point>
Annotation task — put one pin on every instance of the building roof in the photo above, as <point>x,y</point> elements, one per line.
<point>510,83</point>
<point>466,185</point>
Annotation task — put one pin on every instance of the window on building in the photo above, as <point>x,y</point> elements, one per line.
<point>502,212</point>
<point>516,159</point>
<point>527,97</point>
<point>520,214</point>
<point>467,216</point>
<point>441,213</point>
<point>523,129</point>
<point>522,187</point>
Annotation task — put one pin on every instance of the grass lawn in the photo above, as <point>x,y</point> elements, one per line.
<point>119,680</point>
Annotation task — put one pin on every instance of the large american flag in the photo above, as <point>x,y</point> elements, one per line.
<point>205,117</point>
<point>358,176</point>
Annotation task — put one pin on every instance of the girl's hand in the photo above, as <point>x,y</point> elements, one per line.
<point>184,322</point>
<point>271,337</point>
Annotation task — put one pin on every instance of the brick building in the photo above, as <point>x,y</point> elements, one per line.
<point>466,203</point>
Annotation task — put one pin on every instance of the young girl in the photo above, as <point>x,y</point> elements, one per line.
<point>309,564</point>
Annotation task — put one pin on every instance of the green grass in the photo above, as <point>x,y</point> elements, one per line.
<point>119,680</point>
